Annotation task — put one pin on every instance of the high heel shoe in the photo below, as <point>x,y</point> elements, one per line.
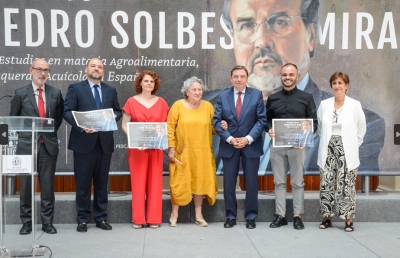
<point>201,222</point>
<point>173,222</point>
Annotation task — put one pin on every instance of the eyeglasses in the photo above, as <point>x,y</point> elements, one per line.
<point>41,70</point>
<point>280,23</point>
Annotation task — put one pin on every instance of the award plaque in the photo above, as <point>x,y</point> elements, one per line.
<point>99,120</point>
<point>147,135</point>
<point>293,132</point>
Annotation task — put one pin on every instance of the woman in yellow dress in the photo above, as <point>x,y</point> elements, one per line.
<point>192,163</point>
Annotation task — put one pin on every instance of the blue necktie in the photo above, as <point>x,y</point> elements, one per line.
<point>97,96</point>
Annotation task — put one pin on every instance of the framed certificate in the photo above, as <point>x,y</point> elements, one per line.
<point>99,120</point>
<point>147,135</point>
<point>293,132</point>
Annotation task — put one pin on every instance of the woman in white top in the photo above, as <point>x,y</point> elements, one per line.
<point>341,127</point>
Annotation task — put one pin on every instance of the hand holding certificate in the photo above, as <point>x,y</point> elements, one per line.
<point>296,133</point>
<point>96,120</point>
<point>147,135</point>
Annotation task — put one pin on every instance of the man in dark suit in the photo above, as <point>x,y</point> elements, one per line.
<point>269,34</point>
<point>38,99</point>
<point>244,111</point>
<point>92,149</point>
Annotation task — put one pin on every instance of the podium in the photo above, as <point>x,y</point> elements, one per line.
<point>23,164</point>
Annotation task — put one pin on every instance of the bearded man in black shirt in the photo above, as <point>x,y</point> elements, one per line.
<point>290,102</point>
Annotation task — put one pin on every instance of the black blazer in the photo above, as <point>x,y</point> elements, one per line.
<point>24,104</point>
<point>80,98</point>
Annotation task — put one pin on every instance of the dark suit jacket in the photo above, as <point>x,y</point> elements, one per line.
<point>24,104</point>
<point>80,98</point>
<point>252,121</point>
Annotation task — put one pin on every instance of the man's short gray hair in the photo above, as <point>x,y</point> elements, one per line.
<point>38,58</point>
<point>189,82</point>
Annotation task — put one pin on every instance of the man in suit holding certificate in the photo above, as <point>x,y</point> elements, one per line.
<point>92,149</point>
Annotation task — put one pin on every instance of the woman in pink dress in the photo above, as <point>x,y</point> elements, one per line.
<point>145,165</point>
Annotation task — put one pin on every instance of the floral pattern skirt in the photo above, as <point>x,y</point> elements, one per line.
<point>336,175</point>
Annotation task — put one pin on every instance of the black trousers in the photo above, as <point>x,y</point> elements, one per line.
<point>88,167</point>
<point>46,167</point>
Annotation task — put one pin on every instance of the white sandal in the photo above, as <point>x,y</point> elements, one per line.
<point>201,222</point>
<point>137,226</point>
<point>172,222</point>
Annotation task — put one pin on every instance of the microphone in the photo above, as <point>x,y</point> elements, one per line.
<point>6,96</point>
<point>43,102</point>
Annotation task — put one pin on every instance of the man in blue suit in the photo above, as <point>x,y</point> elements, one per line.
<point>92,149</point>
<point>244,111</point>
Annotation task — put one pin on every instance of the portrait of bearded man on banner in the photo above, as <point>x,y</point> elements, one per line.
<point>268,34</point>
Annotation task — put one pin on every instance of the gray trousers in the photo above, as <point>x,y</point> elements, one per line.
<point>282,159</point>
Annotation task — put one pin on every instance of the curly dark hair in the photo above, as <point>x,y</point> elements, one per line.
<point>139,78</point>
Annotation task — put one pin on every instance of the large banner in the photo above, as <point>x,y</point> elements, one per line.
<point>183,38</point>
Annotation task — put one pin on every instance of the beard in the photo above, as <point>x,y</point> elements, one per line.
<point>266,80</point>
<point>94,76</point>
<point>265,83</point>
<point>42,80</point>
<point>289,84</point>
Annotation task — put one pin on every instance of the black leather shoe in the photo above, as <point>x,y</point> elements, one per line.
<point>104,225</point>
<point>229,223</point>
<point>250,224</point>
<point>278,222</point>
<point>26,228</point>
<point>49,228</point>
<point>298,223</point>
<point>82,227</point>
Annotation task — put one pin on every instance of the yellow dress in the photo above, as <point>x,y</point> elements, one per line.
<point>190,133</point>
